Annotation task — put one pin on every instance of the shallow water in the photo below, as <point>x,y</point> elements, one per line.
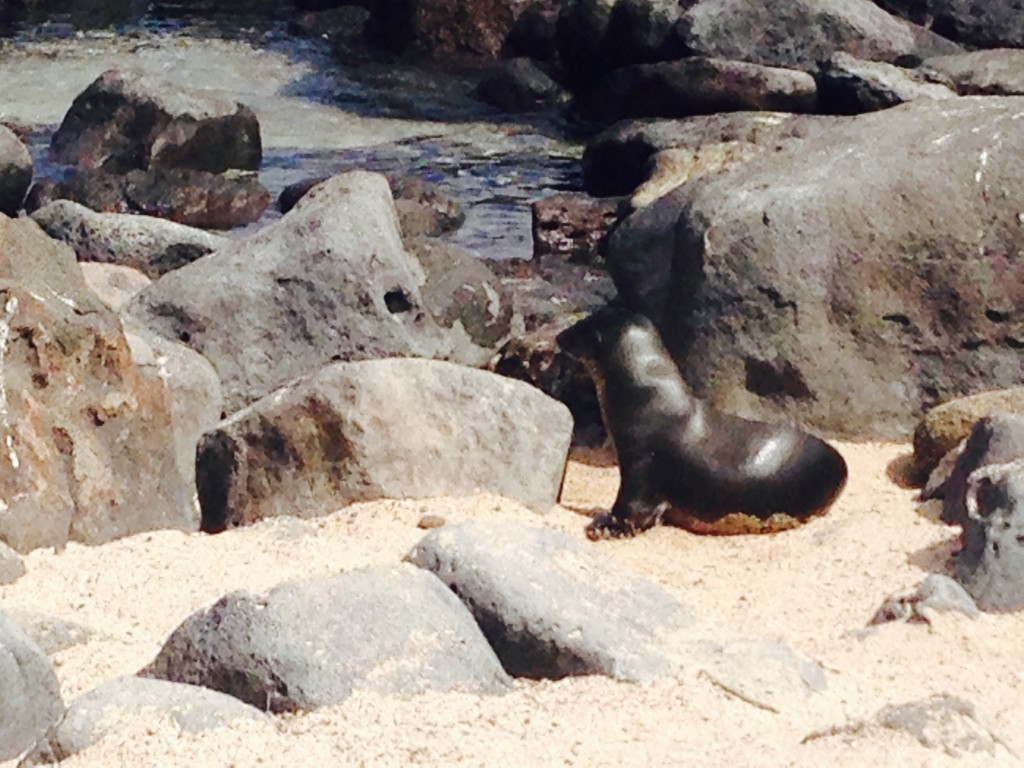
<point>317,116</point>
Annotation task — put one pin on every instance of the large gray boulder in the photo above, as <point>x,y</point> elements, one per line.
<point>394,428</point>
<point>997,72</point>
<point>312,643</point>
<point>87,449</point>
<point>801,33</point>
<point>329,281</point>
<point>127,120</point>
<point>552,607</point>
<point>101,710</point>
<point>31,701</point>
<point>15,171</point>
<point>151,245</point>
<point>975,23</point>
<point>850,281</point>
<point>848,85</point>
<point>990,564</point>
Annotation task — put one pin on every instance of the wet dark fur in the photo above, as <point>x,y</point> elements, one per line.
<point>676,454</point>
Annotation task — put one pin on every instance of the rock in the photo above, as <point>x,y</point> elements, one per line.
<point>616,161</point>
<point>477,27</point>
<point>149,244</point>
<point>979,73</point>
<point>849,86</point>
<point>936,594</point>
<point>519,85</point>
<point>801,33</point>
<point>189,197</point>
<point>382,429</point>
<point>591,616</point>
<point>101,711</point>
<point>31,702</point>
<point>465,297</point>
<point>87,451</point>
<point>994,439</point>
<point>51,633</point>
<point>946,425</point>
<point>810,284</point>
<point>597,36</point>
<point>671,168</point>
<point>533,34</point>
<point>113,284</point>
<point>127,120</point>
<point>15,171</point>
<point>329,281</point>
<point>12,567</point>
<point>573,224</point>
<point>311,643</point>
<point>992,24</point>
<point>534,357</point>
<point>990,564</point>
<point>699,85</point>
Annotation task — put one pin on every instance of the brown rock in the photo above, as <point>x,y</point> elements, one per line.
<point>573,224</point>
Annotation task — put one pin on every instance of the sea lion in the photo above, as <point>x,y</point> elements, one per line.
<point>684,462</point>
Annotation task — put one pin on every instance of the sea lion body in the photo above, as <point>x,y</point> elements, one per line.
<point>683,461</point>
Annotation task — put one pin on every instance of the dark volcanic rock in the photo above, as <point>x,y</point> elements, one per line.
<point>573,224</point>
<point>101,710</point>
<point>699,85</point>
<point>383,429</point>
<point>442,28</point>
<point>847,85</point>
<point>31,700</point>
<point>15,171</point>
<point>975,23</point>
<point>519,85</point>
<point>311,643</point>
<point>126,120</point>
<point>851,281</point>
<point>551,606</point>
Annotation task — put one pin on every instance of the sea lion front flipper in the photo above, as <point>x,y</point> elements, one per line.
<point>629,516</point>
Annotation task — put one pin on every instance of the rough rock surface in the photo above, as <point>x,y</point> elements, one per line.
<point>979,73</point>
<point>395,428</point>
<point>936,594</point>
<point>31,700</point>
<point>552,607</point>
<point>573,224</point>
<point>151,245</point>
<point>50,633</point>
<point>943,427</point>
<point>12,567</point>
<point>99,711</point>
<point>700,85</point>
<point>311,643</point>
<point>849,86</point>
<point>15,171</point>
<point>113,284</point>
<point>478,27</point>
<point>671,168</point>
<point>126,120</point>
<point>86,434</point>
<point>990,564</point>
<point>801,33</point>
<point>851,281</point>
<point>329,281</point>
<point>975,23</point>
<point>519,85</point>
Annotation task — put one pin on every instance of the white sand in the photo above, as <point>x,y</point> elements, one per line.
<point>815,588</point>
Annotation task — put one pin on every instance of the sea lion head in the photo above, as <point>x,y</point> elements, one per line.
<point>592,338</point>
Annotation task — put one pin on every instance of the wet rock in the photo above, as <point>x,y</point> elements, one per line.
<point>126,120</point>
<point>329,281</point>
<point>464,296</point>
<point>149,244</point>
<point>979,73</point>
<point>519,85</point>
<point>51,633</point>
<point>382,429</point>
<point>847,85</point>
<point>15,171</point>
<point>574,225</point>
<point>113,284</point>
<point>552,607</point>
<point>616,161</point>
<point>12,567</point>
<point>96,189</point>
<point>990,564</point>
<point>477,27</point>
<point>311,643</point>
<point>597,36</point>
<point>801,33</point>
<point>993,24</point>
<point>946,425</point>
<point>994,439</point>
<point>936,594</point>
<point>100,711</point>
<point>699,85</point>
<point>87,451</point>
<point>31,702</point>
<point>769,316</point>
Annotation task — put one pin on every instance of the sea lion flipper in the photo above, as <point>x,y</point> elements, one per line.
<point>628,517</point>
